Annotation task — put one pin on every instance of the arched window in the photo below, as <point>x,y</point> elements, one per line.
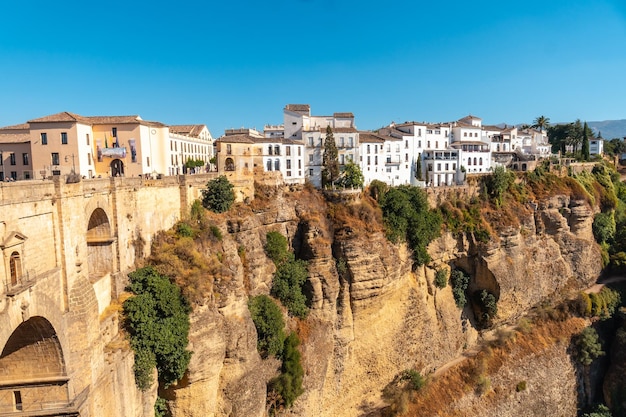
<point>15,264</point>
<point>229,164</point>
<point>277,165</point>
<point>469,161</point>
<point>474,160</point>
<point>270,150</point>
<point>481,161</point>
<point>269,164</point>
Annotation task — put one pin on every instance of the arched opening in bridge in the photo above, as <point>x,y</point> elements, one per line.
<point>33,370</point>
<point>99,245</point>
<point>117,168</point>
<point>229,164</point>
<point>15,265</point>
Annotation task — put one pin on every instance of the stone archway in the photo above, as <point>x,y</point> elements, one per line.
<point>117,168</point>
<point>33,370</point>
<point>99,245</point>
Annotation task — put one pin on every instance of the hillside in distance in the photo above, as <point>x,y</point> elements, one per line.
<point>609,128</point>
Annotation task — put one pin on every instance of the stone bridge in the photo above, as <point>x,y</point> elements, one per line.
<point>66,252</point>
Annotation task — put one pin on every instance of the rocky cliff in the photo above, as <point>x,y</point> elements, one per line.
<point>373,312</point>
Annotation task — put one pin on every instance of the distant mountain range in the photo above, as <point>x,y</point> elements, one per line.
<point>609,128</point>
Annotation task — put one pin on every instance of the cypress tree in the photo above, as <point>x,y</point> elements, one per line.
<point>330,159</point>
<point>585,145</point>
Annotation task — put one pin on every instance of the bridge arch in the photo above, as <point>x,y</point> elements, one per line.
<point>33,369</point>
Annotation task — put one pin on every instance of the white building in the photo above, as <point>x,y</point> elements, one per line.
<point>189,143</point>
<point>310,131</point>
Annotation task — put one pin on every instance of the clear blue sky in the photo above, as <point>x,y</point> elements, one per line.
<point>237,63</point>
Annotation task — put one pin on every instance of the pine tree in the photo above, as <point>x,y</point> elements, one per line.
<point>330,159</point>
<point>585,145</point>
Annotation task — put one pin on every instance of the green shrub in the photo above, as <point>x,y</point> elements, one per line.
<point>441,278</point>
<point>588,346</point>
<point>160,408</point>
<point>287,286</point>
<point>377,189</point>
<point>498,183</point>
<point>521,386</point>
<point>603,227</point>
<point>269,323</point>
<point>288,385</point>
<point>157,320</point>
<point>415,379</point>
<point>407,217</point>
<point>218,195</point>
<point>216,232</point>
<point>600,411</point>
<point>184,229</point>
<point>277,247</point>
<point>460,282</point>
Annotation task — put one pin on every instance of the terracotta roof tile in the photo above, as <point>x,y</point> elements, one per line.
<point>237,139</point>
<point>343,115</point>
<point>23,126</point>
<point>61,117</point>
<point>14,138</point>
<point>189,130</point>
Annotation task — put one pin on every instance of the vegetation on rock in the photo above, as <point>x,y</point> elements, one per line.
<point>588,346</point>
<point>460,282</point>
<point>157,320</point>
<point>286,387</point>
<point>407,217</point>
<point>269,323</point>
<point>218,195</point>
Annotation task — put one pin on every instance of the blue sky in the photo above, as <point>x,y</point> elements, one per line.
<point>237,63</point>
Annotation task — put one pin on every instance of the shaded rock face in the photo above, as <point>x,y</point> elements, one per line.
<point>373,312</point>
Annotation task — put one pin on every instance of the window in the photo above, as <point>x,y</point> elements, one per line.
<point>388,169</point>
<point>310,158</point>
<point>438,166</point>
<point>406,157</point>
<point>341,142</point>
<point>299,151</point>
<point>270,150</point>
<point>289,173</point>
<point>147,160</point>
<point>87,137</point>
<point>469,161</point>
<point>229,149</point>
<point>375,148</point>
<point>288,164</point>
<point>368,148</point>
<point>376,160</point>
<point>350,141</point>
<point>277,165</point>
<point>277,150</point>
<point>480,161</point>
<point>26,175</point>
<point>369,162</point>
<point>310,140</point>
<point>55,158</point>
<point>436,144</point>
<point>17,396</point>
<point>464,134</point>
<point>14,175</point>
<point>229,164</point>
<point>269,164</point>
<point>89,158</point>
<point>15,265</point>
<point>419,132</point>
<point>299,163</point>
<point>44,138</point>
<point>341,159</point>
<point>406,144</point>
<point>388,147</point>
<point>397,148</point>
<point>24,159</point>
<point>114,132</point>
<point>63,138</point>
<point>310,172</point>
<point>388,159</point>
<point>288,151</point>
<point>12,158</point>
<point>428,145</point>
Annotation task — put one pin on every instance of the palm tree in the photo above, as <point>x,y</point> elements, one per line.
<point>541,122</point>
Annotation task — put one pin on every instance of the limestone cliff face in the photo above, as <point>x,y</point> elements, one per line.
<point>374,314</point>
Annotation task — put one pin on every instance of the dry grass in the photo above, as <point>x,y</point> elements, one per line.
<point>440,395</point>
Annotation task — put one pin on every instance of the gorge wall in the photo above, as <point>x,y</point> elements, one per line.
<point>380,314</point>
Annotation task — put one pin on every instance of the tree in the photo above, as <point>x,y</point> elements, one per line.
<point>541,123</point>
<point>288,385</point>
<point>585,143</point>
<point>157,320</point>
<point>352,177</point>
<point>218,195</point>
<point>498,182</point>
<point>269,323</point>
<point>277,248</point>
<point>330,159</point>
<point>287,286</point>
<point>589,347</point>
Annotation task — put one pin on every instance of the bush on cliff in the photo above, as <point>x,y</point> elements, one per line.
<point>269,323</point>
<point>460,282</point>
<point>588,346</point>
<point>157,319</point>
<point>288,284</point>
<point>407,217</point>
<point>286,387</point>
<point>218,195</point>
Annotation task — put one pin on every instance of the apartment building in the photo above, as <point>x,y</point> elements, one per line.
<point>15,154</point>
<point>309,130</point>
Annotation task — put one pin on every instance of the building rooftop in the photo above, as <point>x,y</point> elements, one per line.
<point>187,130</point>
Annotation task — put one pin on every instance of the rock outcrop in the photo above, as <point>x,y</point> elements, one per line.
<point>373,312</point>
